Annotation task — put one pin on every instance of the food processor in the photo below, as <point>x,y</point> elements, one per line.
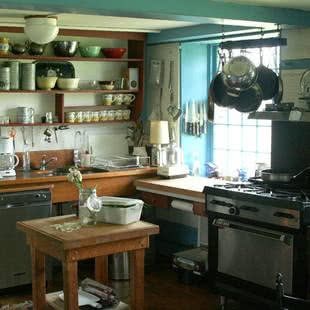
<point>172,165</point>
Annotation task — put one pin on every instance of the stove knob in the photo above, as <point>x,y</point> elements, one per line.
<point>233,211</point>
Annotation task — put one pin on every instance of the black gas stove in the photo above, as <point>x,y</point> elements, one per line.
<point>256,230</point>
<point>260,202</point>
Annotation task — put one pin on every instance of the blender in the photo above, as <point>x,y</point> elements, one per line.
<point>8,159</point>
<point>172,165</point>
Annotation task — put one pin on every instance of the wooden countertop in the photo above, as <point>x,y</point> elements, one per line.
<point>32,177</point>
<point>86,235</point>
<point>190,187</point>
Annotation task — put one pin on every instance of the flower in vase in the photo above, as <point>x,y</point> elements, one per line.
<point>75,176</point>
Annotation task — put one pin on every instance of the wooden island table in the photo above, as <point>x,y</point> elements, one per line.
<point>88,242</point>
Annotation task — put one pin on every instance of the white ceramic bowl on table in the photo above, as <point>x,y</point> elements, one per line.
<point>68,83</point>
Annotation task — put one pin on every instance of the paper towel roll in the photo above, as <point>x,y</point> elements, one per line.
<point>182,205</point>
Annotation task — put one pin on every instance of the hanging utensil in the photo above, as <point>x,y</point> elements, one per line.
<point>23,135</point>
<point>171,76</point>
<point>205,117</point>
<point>55,133</point>
<point>32,136</point>
<point>185,125</point>
<point>201,119</point>
<point>12,134</point>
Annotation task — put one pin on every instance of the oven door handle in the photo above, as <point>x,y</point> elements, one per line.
<point>266,233</point>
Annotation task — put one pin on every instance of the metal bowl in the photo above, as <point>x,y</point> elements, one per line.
<point>65,48</point>
<point>239,73</point>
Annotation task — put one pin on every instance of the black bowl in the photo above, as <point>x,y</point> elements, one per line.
<point>65,48</point>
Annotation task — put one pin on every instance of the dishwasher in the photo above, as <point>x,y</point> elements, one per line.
<point>15,259</point>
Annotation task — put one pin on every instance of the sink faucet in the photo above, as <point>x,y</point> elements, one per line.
<point>44,162</point>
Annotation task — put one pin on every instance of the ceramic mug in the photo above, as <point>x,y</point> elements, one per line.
<point>128,98</point>
<point>118,99</point>
<point>108,99</point>
<point>87,160</point>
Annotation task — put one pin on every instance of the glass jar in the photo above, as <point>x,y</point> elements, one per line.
<point>87,116</point>
<point>84,213</point>
<point>79,117</point>
<point>89,206</point>
<point>70,117</point>
<point>103,116</point>
<point>4,46</point>
<point>95,116</point>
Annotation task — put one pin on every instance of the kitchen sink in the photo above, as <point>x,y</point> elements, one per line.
<point>64,171</point>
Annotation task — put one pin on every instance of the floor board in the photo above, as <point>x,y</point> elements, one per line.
<point>164,289</point>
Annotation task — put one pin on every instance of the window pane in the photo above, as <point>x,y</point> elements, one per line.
<point>249,138</point>
<point>220,137</point>
<point>234,137</point>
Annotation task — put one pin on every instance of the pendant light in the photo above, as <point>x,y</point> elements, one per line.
<point>41,29</point>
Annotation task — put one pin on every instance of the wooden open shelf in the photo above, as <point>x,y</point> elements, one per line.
<point>97,107</point>
<point>63,123</point>
<point>74,58</point>
<point>78,91</point>
<point>134,59</point>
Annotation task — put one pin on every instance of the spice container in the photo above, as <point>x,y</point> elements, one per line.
<point>95,116</point>
<point>4,78</point>
<point>14,74</point>
<point>4,46</point>
<point>79,117</point>
<point>70,117</point>
<point>103,116</point>
<point>28,76</point>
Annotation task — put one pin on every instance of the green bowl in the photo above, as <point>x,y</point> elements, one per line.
<point>89,51</point>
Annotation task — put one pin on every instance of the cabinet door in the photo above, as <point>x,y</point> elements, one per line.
<point>156,200</point>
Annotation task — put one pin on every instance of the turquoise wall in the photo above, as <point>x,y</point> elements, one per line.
<point>198,65</point>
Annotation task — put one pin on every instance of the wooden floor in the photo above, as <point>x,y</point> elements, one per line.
<point>163,290</point>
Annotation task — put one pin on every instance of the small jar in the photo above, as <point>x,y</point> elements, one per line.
<point>118,115</point>
<point>87,116</point>
<point>4,46</point>
<point>126,114</point>
<point>103,116</point>
<point>95,116</point>
<point>5,78</point>
<point>70,117</point>
<point>111,115</point>
<point>79,117</point>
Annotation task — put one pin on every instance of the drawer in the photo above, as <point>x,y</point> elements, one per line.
<point>199,209</point>
<point>156,200</point>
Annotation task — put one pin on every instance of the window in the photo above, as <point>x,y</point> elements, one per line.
<point>239,142</point>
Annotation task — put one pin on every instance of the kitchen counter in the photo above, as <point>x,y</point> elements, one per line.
<point>184,188</point>
<point>116,183</point>
<point>160,192</point>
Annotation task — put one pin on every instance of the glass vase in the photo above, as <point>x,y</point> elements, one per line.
<point>85,215</point>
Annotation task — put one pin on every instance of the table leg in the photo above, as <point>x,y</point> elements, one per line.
<point>38,279</point>
<point>70,285</point>
<point>101,269</point>
<point>137,279</point>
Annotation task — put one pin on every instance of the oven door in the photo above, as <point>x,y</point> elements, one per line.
<point>254,254</point>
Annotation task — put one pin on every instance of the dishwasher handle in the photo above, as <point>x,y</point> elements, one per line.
<point>12,205</point>
<point>266,233</point>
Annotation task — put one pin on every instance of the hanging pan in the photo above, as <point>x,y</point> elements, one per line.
<point>267,79</point>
